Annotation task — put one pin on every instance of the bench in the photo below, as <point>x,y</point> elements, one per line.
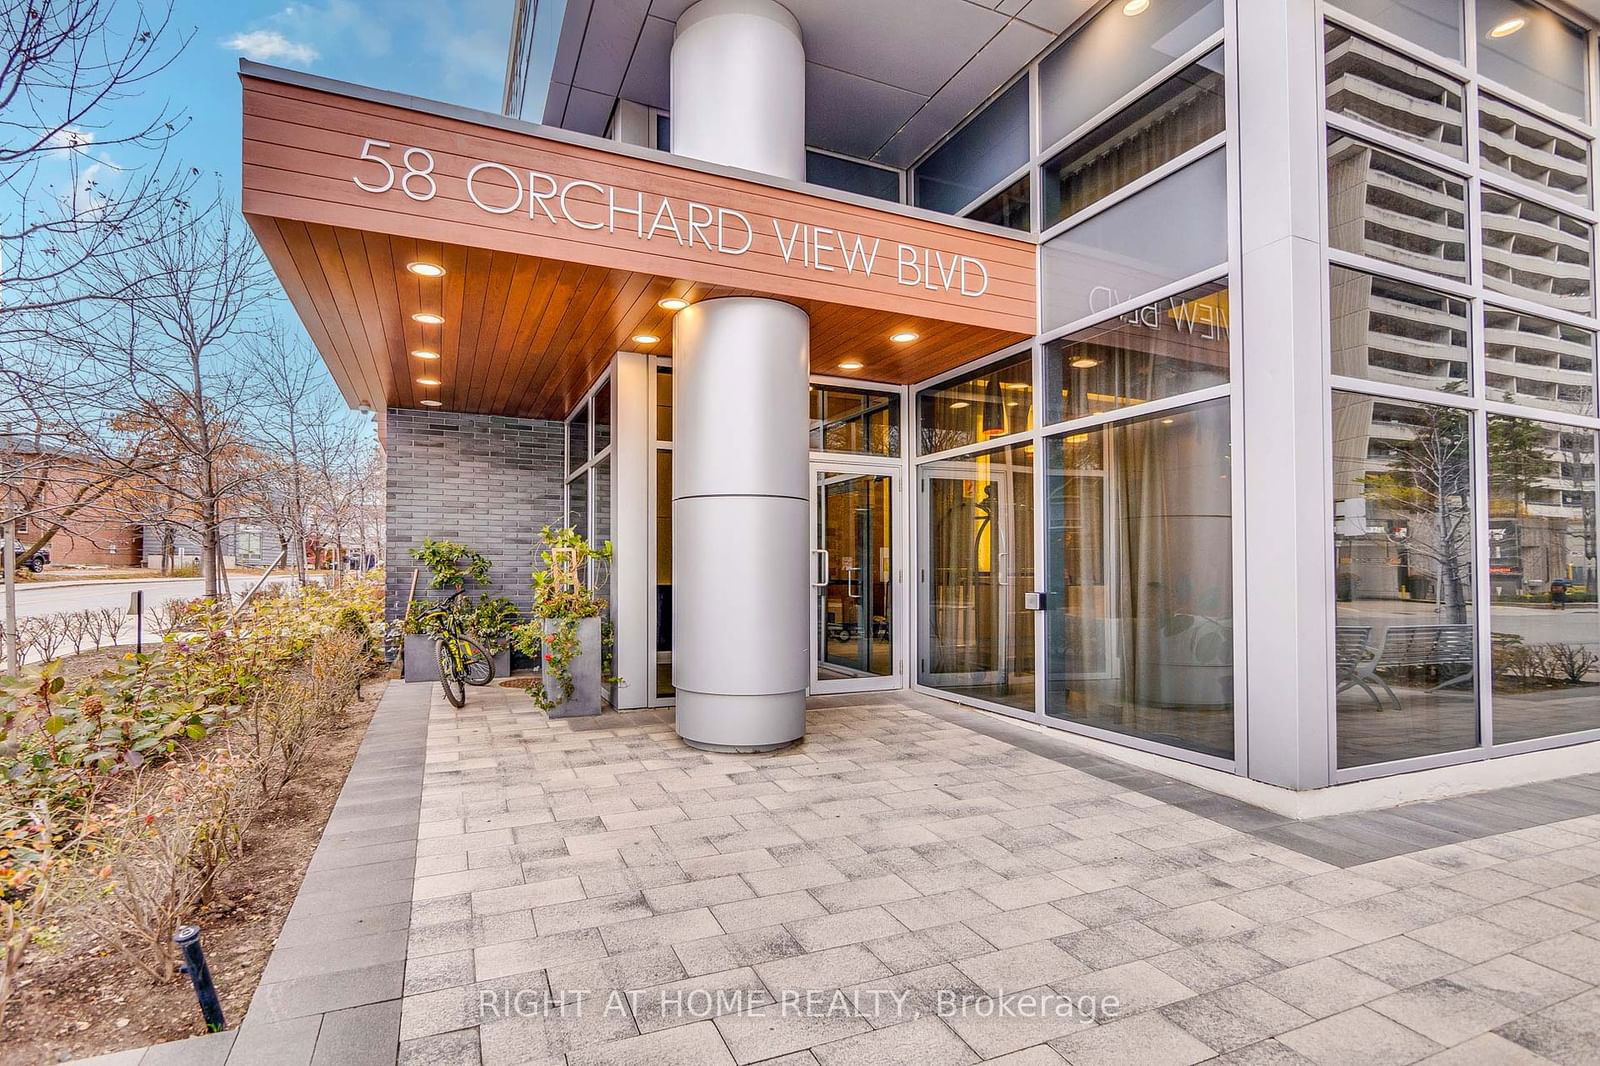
<point>1402,647</point>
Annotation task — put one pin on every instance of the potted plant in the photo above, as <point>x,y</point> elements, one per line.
<point>568,632</point>
<point>451,566</point>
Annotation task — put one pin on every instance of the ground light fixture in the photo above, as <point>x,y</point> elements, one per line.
<point>905,337</point>
<point>426,270</point>
<point>851,364</point>
<point>1507,27</point>
<point>672,303</point>
<point>427,318</point>
<point>645,338</point>
<point>1135,7</point>
<point>423,353</point>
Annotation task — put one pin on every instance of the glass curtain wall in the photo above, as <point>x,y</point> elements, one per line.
<point>662,417</point>
<point>1462,359</point>
<point>588,487</point>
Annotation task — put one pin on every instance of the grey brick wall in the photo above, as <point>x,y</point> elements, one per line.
<point>483,480</point>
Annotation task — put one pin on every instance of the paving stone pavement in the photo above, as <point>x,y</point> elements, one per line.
<point>916,883</point>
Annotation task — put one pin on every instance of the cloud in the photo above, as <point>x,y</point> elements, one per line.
<point>73,138</point>
<point>270,44</point>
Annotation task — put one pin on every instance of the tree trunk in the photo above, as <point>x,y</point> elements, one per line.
<point>13,657</point>
<point>208,547</point>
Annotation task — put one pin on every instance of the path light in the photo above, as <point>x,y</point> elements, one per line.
<point>426,270</point>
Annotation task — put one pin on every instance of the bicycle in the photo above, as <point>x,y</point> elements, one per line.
<point>462,660</point>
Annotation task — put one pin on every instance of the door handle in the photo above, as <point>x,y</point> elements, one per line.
<point>850,582</point>
<point>821,582</point>
<point>1000,568</point>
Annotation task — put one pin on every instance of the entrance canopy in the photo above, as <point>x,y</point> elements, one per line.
<point>508,262</point>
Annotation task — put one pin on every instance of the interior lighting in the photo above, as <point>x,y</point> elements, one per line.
<point>959,404</point>
<point>1508,27</point>
<point>672,303</point>
<point>423,353</point>
<point>850,364</point>
<point>645,338</point>
<point>426,270</point>
<point>903,338</point>
<point>428,318</point>
<point>1084,362</point>
<point>431,403</point>
<point>427,381</point>
<point>1135,7</point>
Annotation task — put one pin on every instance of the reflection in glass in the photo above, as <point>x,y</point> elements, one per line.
<point>1169,346</point>
<point>1536,253</point>
<point>578,438</point>
<point>1529,148</point>
<point>1008,207</point>
<point>663,678</point>
<point>1163,233</point>
<point>1112,55</point>
<point>1434,24</point>
<point>1529,48</point>
<point>1373,83</point>
<point>602,418</point>
<point>1543,619</point>
<point>578,503</point>
<point>991,145</point>
<point>1140,600</point>
<point>663,404</point>
<point>976,407</point>
<point>977,633</point>
<point>1537,362</point>
<point>1161,125</point>
<point>1384,205</point>
<point>854,420</point>
<point>855,602</point>
<point>1395,332</point>
<point>848,175</point>
<point>1402,551</point>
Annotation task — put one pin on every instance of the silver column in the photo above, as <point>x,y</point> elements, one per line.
<point>740,366</point>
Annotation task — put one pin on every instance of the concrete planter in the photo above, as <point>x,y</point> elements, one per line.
<point>422,660</point>
<point>585,670</point>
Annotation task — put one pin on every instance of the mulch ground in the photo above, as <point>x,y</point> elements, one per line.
<point>76,999</point>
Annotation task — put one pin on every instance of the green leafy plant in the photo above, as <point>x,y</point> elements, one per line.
<point>492,621</point>
<point>560,601</point>
<point>451,564</point>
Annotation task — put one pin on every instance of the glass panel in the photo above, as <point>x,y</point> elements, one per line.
<point>600,574</point>
<point>578,439</point>
<point>664,132</point>
<point>1536,253</point>
<point>1543,619</point>
<point>1161,125</point>
<point>1392,208</point>
<point>1008,207</point>
<point>1113,55</point>
<point>602,418</point>
<point>854,420</point>
<point>1529,48</point>
<point>850,176</point>
<point>1173,345</point>
<point>578,503</point>
<point>976,407</point>
<point>663,679</point>
<point>1537,362</point>
<point>1172,230</point>
<point>663,405</point>
<point>1383,87</point>
<point>1434,24</point>
<point>1524,146</point>
<point>855,601</point>
<point>1140,599</point>
<point>1392,331</point>
<point>1402,552</point>
<point>990,146</point>
<point>977,524</point>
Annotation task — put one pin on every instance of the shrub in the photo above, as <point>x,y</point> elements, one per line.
<point>1574,661</point>
<point>1519,661</point>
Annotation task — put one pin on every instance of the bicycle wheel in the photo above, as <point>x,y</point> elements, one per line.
<point>477,665</point>
<point>450,677</point>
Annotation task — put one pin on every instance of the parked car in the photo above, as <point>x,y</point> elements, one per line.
<point>40,557</point>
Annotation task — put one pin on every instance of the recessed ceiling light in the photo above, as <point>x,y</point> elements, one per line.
<point>1015,385</point>
<point>959,404</point>
<point>426,270</point>
<point>1083,362</point>
<point>423,353</point>
<point>431,403</point>
<point>1012,403</point>
<point>851,364</point>
<point>427,318</point>
<point>903,338</point>
<point>1168,421</point>
<point>1135,7</point>
<point>1508,27</point>
<point>645,338</point>
<point>672,303</point>
<point>427,381</point>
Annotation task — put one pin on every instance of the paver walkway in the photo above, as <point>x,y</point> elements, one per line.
<point>596,892</point>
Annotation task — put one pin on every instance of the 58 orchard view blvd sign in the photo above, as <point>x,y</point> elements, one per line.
<point>546,200</point>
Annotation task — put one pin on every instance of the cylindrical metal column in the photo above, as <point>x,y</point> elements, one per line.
<point>740,368</point>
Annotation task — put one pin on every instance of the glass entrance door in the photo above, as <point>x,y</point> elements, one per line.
<point>854,580</point>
